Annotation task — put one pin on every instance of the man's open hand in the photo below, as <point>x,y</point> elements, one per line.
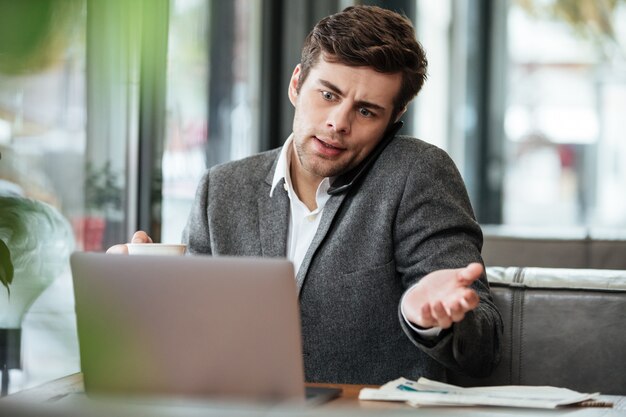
<point>442,297</point>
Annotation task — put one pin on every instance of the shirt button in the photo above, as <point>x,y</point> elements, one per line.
<point>285,186</point>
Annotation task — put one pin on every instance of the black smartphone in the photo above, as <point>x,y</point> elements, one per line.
<point>346,180</point>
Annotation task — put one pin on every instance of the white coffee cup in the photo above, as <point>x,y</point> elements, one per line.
<point>156,248</point>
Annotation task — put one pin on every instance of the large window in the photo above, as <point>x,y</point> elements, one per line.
<point>43,116</point>
<point>564,115</point>
<point>213,74</point>
<point>528,98</point>
<point>187,110</point>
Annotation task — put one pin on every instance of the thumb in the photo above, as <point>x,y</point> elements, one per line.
<point>471,273</point>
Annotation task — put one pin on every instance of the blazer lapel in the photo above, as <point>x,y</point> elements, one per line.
<point>328,214</point>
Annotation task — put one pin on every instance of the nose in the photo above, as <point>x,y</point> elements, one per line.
<point>340,119</point>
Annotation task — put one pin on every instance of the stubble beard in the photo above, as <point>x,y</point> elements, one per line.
<point>313,163</point>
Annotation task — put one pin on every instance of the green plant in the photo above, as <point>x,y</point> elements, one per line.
<point>36,241</point>
<point>102,192</point>
<point>6,266</point>
<point>35,34</point>
<point>21,219</point>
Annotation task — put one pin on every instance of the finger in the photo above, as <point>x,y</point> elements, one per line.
<point>141,237</point>
<point>118,249</point>
<point>471,299</point>
<point>465,304</point>
<point>426,318</point>
<point>440,315</point>
<point>457,311</point>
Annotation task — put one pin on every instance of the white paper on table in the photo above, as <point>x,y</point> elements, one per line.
<point>428,392</point>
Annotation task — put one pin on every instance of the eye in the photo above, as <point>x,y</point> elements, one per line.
<point>327,95</point>
<point>365,112</point>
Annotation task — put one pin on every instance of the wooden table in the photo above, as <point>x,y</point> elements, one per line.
<point>73,384</point>
<point>347,404</point>
<point>350,398</point>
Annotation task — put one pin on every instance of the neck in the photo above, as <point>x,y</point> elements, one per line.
<point>304,184</point>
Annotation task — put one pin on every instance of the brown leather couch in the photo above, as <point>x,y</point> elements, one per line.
<point>554,248</point>
<point>562,327</point>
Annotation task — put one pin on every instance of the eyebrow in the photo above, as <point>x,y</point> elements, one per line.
<point>360,103</point>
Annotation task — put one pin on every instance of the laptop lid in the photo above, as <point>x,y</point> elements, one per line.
<point>218,327</point>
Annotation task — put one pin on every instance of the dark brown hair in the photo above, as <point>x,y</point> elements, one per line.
<point>373,37</point>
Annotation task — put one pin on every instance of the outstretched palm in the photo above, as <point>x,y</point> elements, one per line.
<point>443,297</point>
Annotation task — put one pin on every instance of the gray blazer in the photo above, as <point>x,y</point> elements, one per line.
<point>410,215</point>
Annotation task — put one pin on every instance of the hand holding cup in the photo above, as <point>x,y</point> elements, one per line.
<point>141,244</point>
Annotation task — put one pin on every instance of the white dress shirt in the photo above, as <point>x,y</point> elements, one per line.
<point>303,223</point>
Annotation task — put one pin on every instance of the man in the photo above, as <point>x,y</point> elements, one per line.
<point>388,265</point>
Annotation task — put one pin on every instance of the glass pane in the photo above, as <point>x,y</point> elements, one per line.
<point>433,24</point>
<point>567,89</point>
<point>212,97</point>
<point>186,128</point>
<point>42,142</point>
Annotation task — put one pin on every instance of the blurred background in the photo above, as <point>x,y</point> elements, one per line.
<point>110,111</point>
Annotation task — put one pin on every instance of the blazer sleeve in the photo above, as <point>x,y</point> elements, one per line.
<point>436,229</point>
<point>196,234</point>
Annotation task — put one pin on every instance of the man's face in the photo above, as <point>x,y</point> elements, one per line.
<point>341,113</point>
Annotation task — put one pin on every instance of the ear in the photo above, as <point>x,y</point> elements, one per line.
<point>293,85</point>
<point>400,114</point>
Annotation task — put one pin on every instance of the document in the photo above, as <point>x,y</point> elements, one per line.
<point>425,392</point>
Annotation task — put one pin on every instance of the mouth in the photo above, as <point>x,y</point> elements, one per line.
<point>326,143</point>
<point>325,149</point>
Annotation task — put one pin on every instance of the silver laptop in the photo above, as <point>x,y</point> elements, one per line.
<point>190,326</point>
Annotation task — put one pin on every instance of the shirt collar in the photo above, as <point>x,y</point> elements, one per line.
<point>282,166</point>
